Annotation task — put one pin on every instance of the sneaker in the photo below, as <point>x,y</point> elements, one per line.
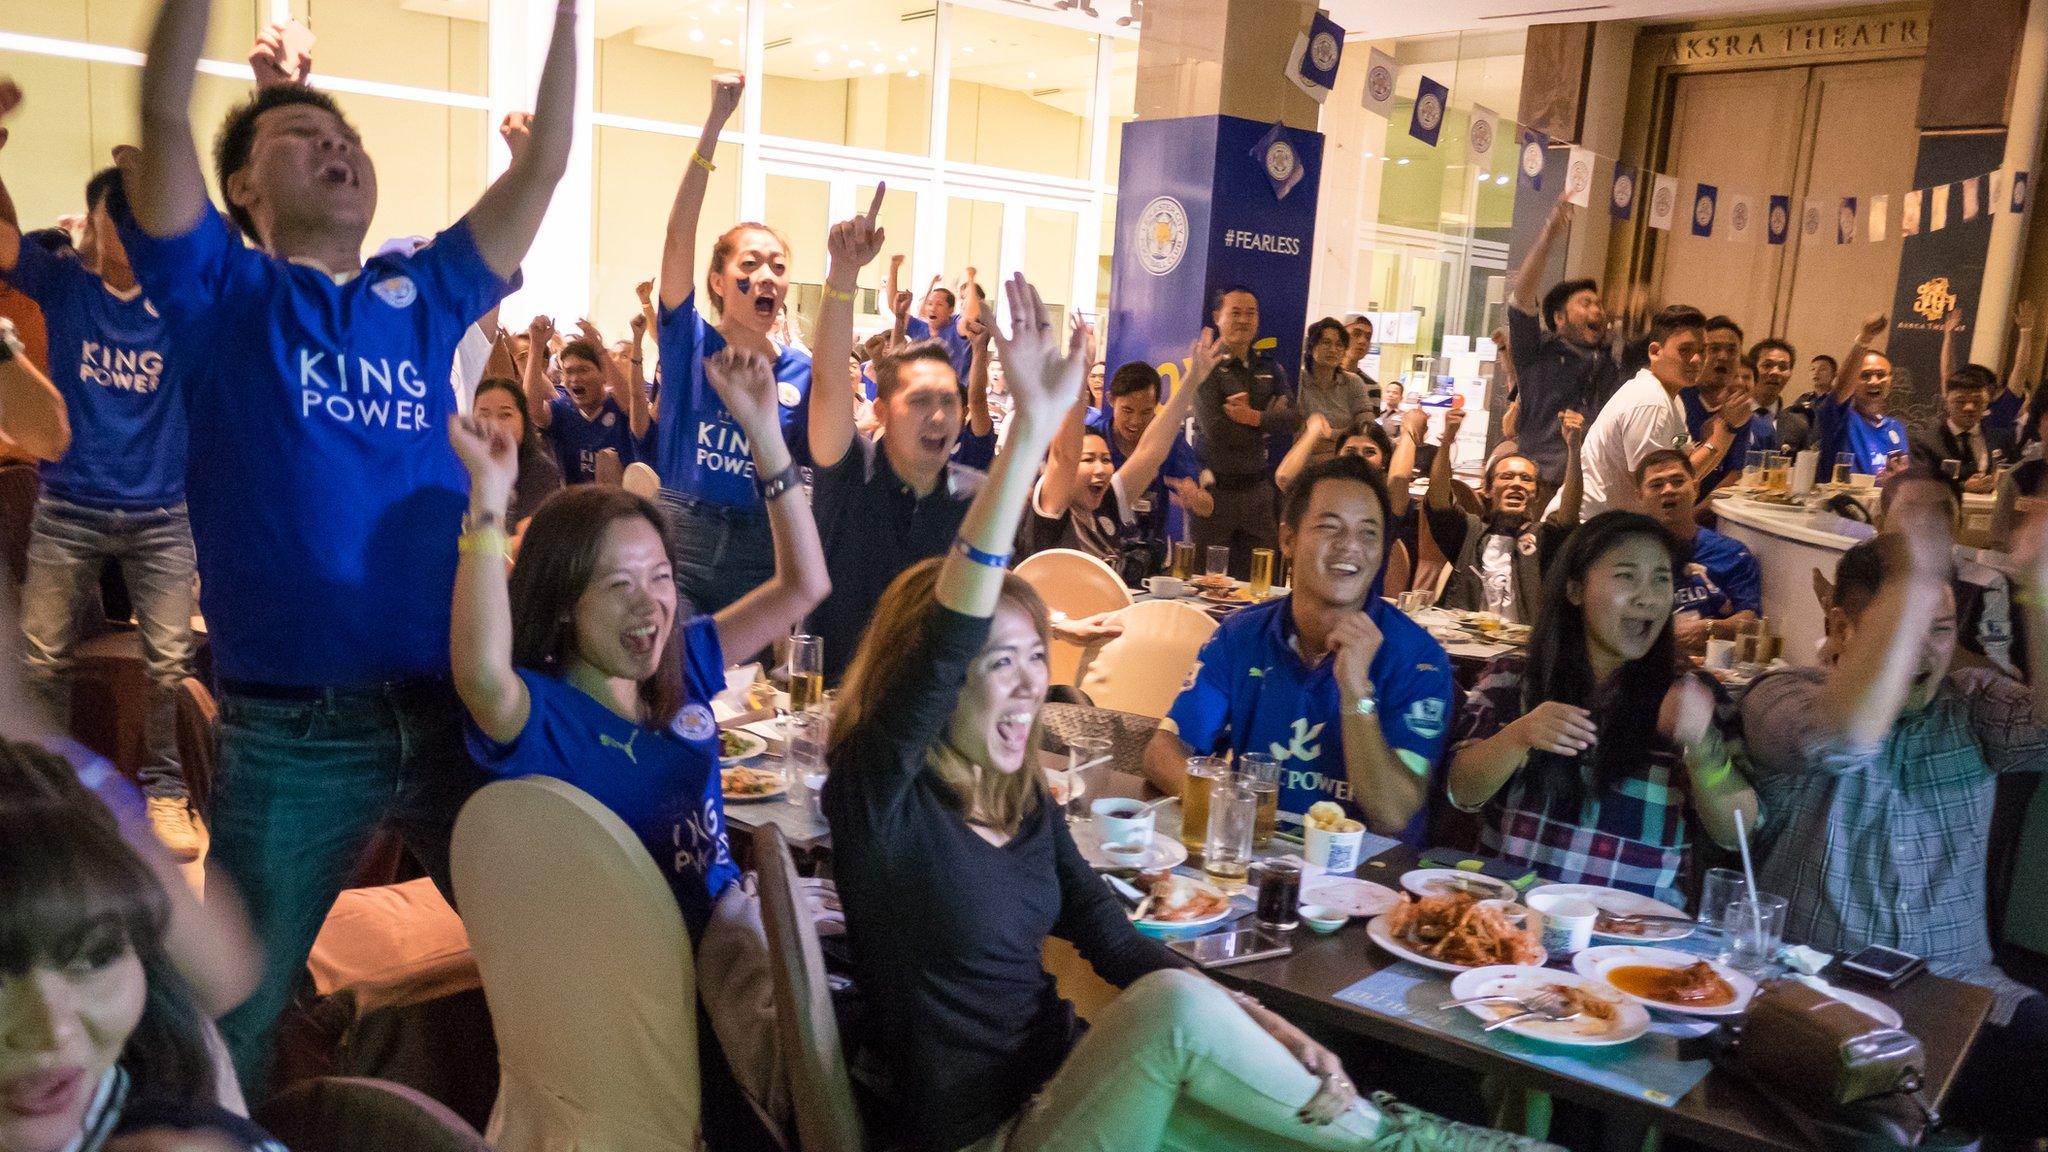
<point>1408,1129</point>
<point>171,816</point>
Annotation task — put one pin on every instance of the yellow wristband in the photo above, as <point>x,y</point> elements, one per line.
<point>483,542</point>
<point>832,293</point>
<point>698,159</point>
<point>1715,777</point>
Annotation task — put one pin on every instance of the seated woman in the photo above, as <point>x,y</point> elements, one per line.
<point>100,1037</point>
<point>500,407</point>
<point>2029,479</point>
<point>954,868</point>
<point>1083,501</point>
<point>1591,755</point>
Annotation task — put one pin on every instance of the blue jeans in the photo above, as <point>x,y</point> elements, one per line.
<point>719,553</point>
<point>302,785</point>
<point>67,545</point>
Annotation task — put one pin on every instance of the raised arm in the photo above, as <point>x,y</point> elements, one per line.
<point>480,633</point>
<point>626,391</point>
<point>852,245</point>
<point>508,215</point>
<point>679,249</point>
<point>533,378</point>
<point>1043,380</point>
<point>1055,490</point>
<point>10,221</point>
<point>978,331</point>
<point>1438,498</point>
<point>31,408</point>
<point>166,188</point>
<point>2030,591</point>
<point>639,412</point>
<point>1401,466</point>
<point>2020,371</point>
<point>747,386</point>
<point>1525,291</point>
<point>1950,324</point>
<point>1572,428</point>
<point>1315,428</point>
<point>1874,326</point>
<point>1873,674</point>
<point>1144,462</point>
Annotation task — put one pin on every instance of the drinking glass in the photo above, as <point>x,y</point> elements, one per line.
<point>1953,469</point>
<point>805,735</point>
<point>1753,467</point>
<point>1261,774</point>
<point>1753,930</point>
<point>1718,889</point>
<point>1203,772</point>
<point>1780,473</point>
<point>1227,850</point>
<point>1183,559</point>
<point>1845,467</point>
<point>1087,770</point>
<point>806,671</point>
<point>1218,560</point>
<point>1262,573</point>
<point>1279,886</point>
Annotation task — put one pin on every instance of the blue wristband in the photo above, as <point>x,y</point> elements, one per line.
<point>985,559</point>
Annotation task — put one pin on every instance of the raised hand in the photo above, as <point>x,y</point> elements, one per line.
<point>746,383</point>
<point>1316,426</point>
<point>1874,325</point>
<point>1042,379</point>
<point>516,129</point>
<point>725,96</point>
<point>491,458</point>
<point>1204,355</point>
<point>589,332</point>
<point>1415,424</point>
<point>10,99</point>
<point>638,324</point>
<point>540,330</point>
<point>854,244</point>
<point>1737,408</point>
<point>1454,419</point>
<point>1353,643</point>
<point>1553,726</point>
<point>1571,425</point>
<point>1687,712</point>
<point>283,54</point>
<point>977,331</point>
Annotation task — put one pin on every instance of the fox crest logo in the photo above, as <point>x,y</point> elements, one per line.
<point>397,291</point>
<point>1304,745</point>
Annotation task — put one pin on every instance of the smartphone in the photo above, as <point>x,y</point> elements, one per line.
<point>1219,949</point>
<point>1884,967</point>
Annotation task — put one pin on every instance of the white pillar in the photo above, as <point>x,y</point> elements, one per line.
<point>557,267</point>
<point>2009,232</point>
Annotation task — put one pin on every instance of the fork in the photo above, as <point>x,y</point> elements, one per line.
<point>1547,1004</point>
<point>1639,918</point>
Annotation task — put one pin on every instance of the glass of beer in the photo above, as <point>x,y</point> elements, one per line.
<point>1261,774</point>
<point>1845,468</point>
<point>1203,773</point>
<point>1780,473</point>
<point>1183,565</point>
<point>806,672</point>
<point>1227,850</point>
<point>1262,573</point>
<point>1753,468</point>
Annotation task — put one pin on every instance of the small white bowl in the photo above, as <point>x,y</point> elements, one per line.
<point>1127,855</point>
<point>1322,918</point>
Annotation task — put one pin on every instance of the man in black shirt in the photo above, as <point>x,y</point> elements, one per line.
<point>881,505</point>
<point>1961,445</point>
<point>1240,408</point>
<point>1498,560</point>
<point>1566,367</point>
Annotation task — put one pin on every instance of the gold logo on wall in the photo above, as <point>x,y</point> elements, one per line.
<point>1934,299</point>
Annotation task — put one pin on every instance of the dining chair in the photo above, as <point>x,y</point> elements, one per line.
<point>1144,669</point>
<point>641,480</point>
<point>1075,585</point>
<point>609,470</point>
<point>352,1114</point>
<point>821,1089</point>
<point>588,972</point>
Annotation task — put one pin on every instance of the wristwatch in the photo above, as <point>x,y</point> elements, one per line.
<point>475,521</point>
<point>1365,706</point>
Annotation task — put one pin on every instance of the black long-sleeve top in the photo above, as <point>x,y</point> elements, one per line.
<point>947,929</point>
<point>1238,453</point>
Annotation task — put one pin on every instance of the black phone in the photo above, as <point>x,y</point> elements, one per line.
<point>1883,967</point>
<point>1220,949</point>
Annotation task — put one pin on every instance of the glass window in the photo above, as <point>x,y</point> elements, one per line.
<point>395,42</point>
<point>656,58</point>
<point>126,23</point>
<point>1021,90</point>
<point>1049,254</point>
<point>974,235</point>
<point>899,226</point>
<point>1123,100</point>
<point>636,178</point>
<point>801,210</point>
<point>852,72</point>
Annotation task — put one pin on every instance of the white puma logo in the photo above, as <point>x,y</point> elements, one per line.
<point>605,740</point>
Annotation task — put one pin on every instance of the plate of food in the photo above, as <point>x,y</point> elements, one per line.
<point>1668,980</point>
<point>1237,594</point>
<point>743,785</point>
<point>1163,854</point>
<point>1615,905</point>
<point>1605,1016</point>
<point>1449,881</point>
<point>1353,897</point>
<point>1212,582</point>
<point>1459,932</point>
<point>735,744</point>
<point>1178,902</point>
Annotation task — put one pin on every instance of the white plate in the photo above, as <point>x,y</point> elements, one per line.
<point>751,745</point>
<point>1178,925</point>
<point>1595,963</point>
<point>1623,903</point>
<point>1630,1019</point>
<point>1377,929</point>
<point>1166,852</point>
<point>1877,1010</point>
<point>1361,898</point>
<point>1444,882</point>
<point>762,798</point>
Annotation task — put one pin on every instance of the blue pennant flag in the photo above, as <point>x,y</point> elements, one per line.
<point>1276,153</point>
<point>2019,193</point>
<point>1534,147</point>
<point>1313,64</point>
<point>1621,201</point>
<point>1778,224</point>
<point>1703,202</point>
<point>1431,98</point>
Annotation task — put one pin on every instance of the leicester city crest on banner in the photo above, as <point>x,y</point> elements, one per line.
<point>1428,121</point>
<point>1703,201</point>
<point>1779,222</point>
<point>1621,200</point>
<point>1532,146</point>
<point>1275,152</point>
<point>1162,235</point>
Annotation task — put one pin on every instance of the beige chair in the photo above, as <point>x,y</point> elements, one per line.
<point>1143,670</point>
<point>609,469</point>
<point>1076,585</point>
<point>588,972</point>
<point>827,1119</point>
<point>641,480</point>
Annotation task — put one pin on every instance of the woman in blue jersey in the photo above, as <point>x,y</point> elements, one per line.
<point>721,546</point>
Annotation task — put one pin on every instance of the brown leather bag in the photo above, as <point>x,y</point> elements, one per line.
<point>1820,1050</point>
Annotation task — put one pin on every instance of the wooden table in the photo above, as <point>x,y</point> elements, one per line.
<point>1720,1113</point>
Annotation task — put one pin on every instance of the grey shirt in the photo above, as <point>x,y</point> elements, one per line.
<point>1341,399</point>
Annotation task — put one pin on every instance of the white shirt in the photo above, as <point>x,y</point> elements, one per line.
<point>1977,449</point>
<point>1639,419</point>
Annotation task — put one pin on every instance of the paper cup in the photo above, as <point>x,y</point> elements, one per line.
<point>1567,921</point>
<point>1721,654</point>
<point>1333,851</point>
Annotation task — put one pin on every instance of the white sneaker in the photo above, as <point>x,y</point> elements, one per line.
<point>175,826</point>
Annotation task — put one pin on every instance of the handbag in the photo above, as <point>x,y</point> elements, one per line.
<point>1824,1052</point>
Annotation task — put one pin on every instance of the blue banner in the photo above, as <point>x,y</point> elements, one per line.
<point>1321,50</point>
<point>1534,145</point>
<point>1621,200</point>
<point>1199,210</point>
<point>1427,123</point>
<point>2019,193</point>
<point>1704,199</point>
<point>1779,223</point>
<point>1275,152</point>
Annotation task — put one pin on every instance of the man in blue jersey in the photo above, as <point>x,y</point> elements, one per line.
<point>1129,403</point>
<point>1720,586</point>
<point>1722,398</point>
<point>325,498</point>
<point>1350,696</point>
<point>598,407</point>
<point>1851,418</point>
<point>939,317</point>
<point>117,492</point>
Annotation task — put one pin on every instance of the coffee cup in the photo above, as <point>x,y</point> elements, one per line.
<point>1334,851</point>
<point>1567,921</point>
<point>1165,586</point>
<point>1121,820</point>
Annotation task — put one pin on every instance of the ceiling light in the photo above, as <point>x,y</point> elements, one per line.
<point>856,64</point>
<point>725,41</point>
<point>1031,75</point>
<point>696,35</point>
<point>911,74</point>
<point>1402,160</point>
<point>823,58</point>
<point>1502,180</point>
<point>967,47</point>
<point>880,68</point>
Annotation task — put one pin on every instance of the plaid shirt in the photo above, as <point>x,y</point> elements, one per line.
<point>1633,836</point>
<point>1885,845</point>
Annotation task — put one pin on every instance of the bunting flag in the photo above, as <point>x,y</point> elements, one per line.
<point>1664,202</point>
<point>1999,197</point>
<point>1742,222</point>
<point>1973,198</point>
<point>1379,84</point>
<point>1810,218</point>
<point>1578,176</point>
<point>1481,136</point>
<point>1845,221</point>
<point>2019,193</point>
<point>1880,211</point>
<point>1779,223</point>
<point>1427,122</point>
<point>1313,63</point>
<point>1275,153</point>
<point>1704,202</point>
<point>1532,148</point>
<point>1621,200</point>
<point>1909,214</point>
<point>1937,216</point>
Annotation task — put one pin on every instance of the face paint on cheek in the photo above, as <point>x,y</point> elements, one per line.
<point>744,285</point>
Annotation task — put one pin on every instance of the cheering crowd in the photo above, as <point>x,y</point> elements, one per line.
<point>417,574</point>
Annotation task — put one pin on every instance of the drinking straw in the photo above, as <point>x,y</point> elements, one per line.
<point>1756,908</point>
